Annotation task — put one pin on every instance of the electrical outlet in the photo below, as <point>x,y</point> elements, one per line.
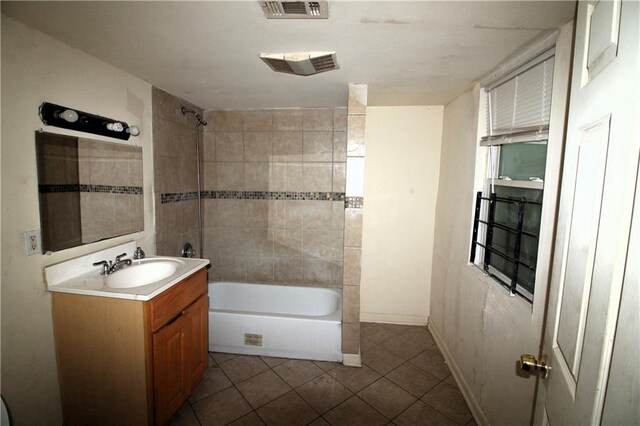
<point>32,242</point>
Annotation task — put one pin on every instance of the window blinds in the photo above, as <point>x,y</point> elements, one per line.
<point>519,104</point>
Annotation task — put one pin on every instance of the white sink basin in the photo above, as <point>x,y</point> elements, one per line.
<point>144,272</point>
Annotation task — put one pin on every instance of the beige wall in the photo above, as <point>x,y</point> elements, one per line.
<point>401,186</point>
<point>36,68</point>
<point>483,330</point>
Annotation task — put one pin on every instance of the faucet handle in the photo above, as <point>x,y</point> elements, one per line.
<point>139,253</point>
<point>105,266</point>
<point>120,257</point>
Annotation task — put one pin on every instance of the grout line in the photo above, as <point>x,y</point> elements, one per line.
<point>302,384</point>
<point>371,406</point>
<point>407,390</point>
<point>333,406</point>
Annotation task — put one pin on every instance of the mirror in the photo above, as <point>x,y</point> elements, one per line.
<point>89,190</point>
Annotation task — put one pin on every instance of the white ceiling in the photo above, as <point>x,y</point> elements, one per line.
<point>409,52</point>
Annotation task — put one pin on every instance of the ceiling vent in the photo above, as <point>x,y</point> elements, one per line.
<point>295,9</point>
<point>301,63</point>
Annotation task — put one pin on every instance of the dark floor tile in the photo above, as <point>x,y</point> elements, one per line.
<point>323,393</point>
<point>403,347</point>
<point>421,414</point>
<point>220,357</point>
<point>450,380</point>
<point>366,344</point>
<point>375,332</point>
<point>398,329</point>
<point>250,419</point>
<point>290,409</point>
<point>354,378</point>
<point>184,417</point>
<point>326,365</point>
<point>354,412</point>
<point>420,335</point>
<point>326,387</point>
<point>243,367</point>
<point>449,401</point>
<point>413,379</point>
<point>381,360</point>
<point>387,398</point>
<point>273,361</point>
<point>212,362</point>
<point>297,372</point>
<point>432,362</point>
<point>213,380</point>
<point>263,388</point>
<point>221,408</point>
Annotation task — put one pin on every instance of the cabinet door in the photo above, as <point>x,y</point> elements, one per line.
<point>171,369</point>
<point>197,315</point>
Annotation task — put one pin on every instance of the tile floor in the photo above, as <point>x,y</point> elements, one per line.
<point>403,381</point>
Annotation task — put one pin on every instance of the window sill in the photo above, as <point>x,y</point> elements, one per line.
<point>527,184</point>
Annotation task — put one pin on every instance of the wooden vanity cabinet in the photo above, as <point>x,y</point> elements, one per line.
<point>180,357</point>
<point>129,362</point>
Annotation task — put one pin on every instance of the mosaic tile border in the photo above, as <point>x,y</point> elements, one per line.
<point>274,195</point>
<point>252,195</point>
<point>174,197</point>
<point>353,202</point>
<point>107,189</point>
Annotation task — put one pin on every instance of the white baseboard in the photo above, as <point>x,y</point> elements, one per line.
<point>352,360</point>
<point>474,406</point>
<point>393,319</point>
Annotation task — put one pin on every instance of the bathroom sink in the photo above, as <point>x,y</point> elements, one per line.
<point>144,272</point>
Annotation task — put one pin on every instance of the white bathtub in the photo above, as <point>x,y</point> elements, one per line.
<point>274,320</point>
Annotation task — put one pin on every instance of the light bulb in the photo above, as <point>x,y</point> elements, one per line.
<point>133,130</point>
<point>68,115</point>
<point>115,127</point>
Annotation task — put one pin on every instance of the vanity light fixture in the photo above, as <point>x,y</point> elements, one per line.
<point>73,119</point>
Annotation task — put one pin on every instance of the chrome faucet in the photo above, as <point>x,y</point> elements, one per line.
<point>110,267</point>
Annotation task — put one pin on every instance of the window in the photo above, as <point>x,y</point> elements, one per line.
<point>509,208</point>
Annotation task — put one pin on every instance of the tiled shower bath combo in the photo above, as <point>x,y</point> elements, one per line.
<point>274,195</point>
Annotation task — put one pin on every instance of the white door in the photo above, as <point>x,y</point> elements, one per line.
<point>592,337</point>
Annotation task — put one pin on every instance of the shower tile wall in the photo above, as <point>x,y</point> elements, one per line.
<point>175,176</point>
<point>274,182</point>
<point>357,110</point>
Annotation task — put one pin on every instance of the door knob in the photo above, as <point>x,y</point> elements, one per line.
<point>529,364</point>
